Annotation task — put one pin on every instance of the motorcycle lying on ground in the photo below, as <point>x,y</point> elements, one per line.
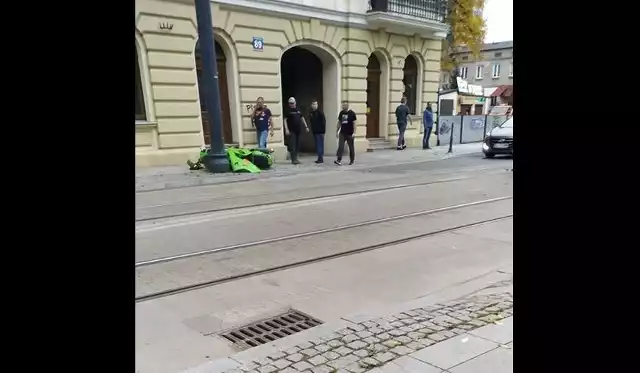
<point>251,160</point>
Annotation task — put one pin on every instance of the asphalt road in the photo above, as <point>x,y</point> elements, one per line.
<point>262,210</point>
<point>261,214</point>
<point>156,204</point>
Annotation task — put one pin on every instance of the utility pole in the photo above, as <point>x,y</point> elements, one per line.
<point>216,160</point>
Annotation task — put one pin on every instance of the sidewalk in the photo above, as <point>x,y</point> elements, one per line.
<point>158,178</point>
<point>473,334</point>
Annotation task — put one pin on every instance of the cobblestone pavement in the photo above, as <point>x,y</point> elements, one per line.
<point>367,345</point>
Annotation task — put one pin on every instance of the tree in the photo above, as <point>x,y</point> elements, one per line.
<point>467,29</point>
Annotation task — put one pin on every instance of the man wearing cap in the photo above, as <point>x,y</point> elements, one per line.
<point>293,122</point>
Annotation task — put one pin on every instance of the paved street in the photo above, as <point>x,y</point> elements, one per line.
<point>155,178</point>
<point>369,251</point>
<point>472,334</point>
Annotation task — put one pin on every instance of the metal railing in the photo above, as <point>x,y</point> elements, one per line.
<point>435,10</point>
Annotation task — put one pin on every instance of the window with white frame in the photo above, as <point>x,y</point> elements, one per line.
<point>479,71</point>
<point>511,70</point>
<point>463,72</point>
<point>496,70</point>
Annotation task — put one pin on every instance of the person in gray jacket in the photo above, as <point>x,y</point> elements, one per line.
<point>402,119</point>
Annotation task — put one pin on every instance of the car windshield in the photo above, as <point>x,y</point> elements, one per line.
<point>508,123</point>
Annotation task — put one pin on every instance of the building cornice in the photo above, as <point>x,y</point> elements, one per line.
<point>398,24</point>
<point>296,10</point>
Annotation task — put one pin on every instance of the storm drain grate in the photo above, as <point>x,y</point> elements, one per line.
<point>271,329</point>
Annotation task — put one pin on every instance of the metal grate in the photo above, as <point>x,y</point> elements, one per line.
<point>268,330</point>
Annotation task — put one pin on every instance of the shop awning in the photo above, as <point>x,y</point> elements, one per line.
<point>503,90</point>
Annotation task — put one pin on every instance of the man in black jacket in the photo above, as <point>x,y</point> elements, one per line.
<point>293,122</point>
<point>318,127</point>
<point>346,132</point>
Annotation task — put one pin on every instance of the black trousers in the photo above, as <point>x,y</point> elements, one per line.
<point>352,150</point>
<point>294,145</point>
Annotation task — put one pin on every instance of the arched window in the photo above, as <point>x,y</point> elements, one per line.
<point>410,81</point>
<point>141,112</point>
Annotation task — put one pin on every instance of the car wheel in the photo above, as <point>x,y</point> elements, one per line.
<point>489,155</point>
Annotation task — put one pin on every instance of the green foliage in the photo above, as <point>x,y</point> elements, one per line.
<point>468,29</point>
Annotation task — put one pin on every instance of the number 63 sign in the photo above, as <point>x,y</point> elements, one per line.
<point>258,44</point>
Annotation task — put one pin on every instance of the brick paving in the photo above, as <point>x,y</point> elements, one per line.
<point>367,345</point>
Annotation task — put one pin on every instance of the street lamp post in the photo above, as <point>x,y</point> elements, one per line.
<point>216,159</point>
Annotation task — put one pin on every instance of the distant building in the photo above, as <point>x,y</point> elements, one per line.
<point>493,68</point>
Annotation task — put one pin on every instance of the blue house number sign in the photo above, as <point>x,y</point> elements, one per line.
<point>258,44</point>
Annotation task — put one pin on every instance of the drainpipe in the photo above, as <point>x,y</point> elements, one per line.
<point>216,160</point>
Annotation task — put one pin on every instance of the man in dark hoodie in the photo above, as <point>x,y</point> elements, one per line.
<point>318,128</point>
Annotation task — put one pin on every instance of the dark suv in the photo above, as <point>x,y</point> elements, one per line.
<point>499,140</point>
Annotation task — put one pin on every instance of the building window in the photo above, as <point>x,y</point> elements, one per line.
<point>463,72</point>
<point>496,70</point>
<point>479,71</point>
<point>510,70</point>
<point>498,54</point>
<point>410,81</point>
<point>141,113</point>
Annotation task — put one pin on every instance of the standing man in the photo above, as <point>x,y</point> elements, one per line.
<point>293,123</point>
<point>261,121</point>
<point>346,132</point>
<point>427,121</point>
<point>402,118</point>
<point>318,127</point>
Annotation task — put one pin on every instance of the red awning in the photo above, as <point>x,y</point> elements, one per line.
<point>503,90</point>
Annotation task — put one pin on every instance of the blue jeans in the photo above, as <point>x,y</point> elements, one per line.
<point>425,137</point>
<point>262,139</point>
<point>401,128</point>
<point>319,137</point>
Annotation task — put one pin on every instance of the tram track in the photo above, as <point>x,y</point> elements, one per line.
<point>294,200</point>
<point>180,266</point>
<point>315,232</point>
<point>147,212</point>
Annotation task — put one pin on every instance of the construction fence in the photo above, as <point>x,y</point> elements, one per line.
<point>466,128</point>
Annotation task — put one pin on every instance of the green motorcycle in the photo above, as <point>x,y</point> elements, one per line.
<point>251,160</point>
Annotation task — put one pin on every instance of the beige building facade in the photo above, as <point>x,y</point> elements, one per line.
<point>370,60</point>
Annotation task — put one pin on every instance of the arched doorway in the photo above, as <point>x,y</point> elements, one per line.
<point>308,73</point>
<point>410,81</point>
<point>302,79</point>
<point>227,132</point>
<point>373,97</point>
